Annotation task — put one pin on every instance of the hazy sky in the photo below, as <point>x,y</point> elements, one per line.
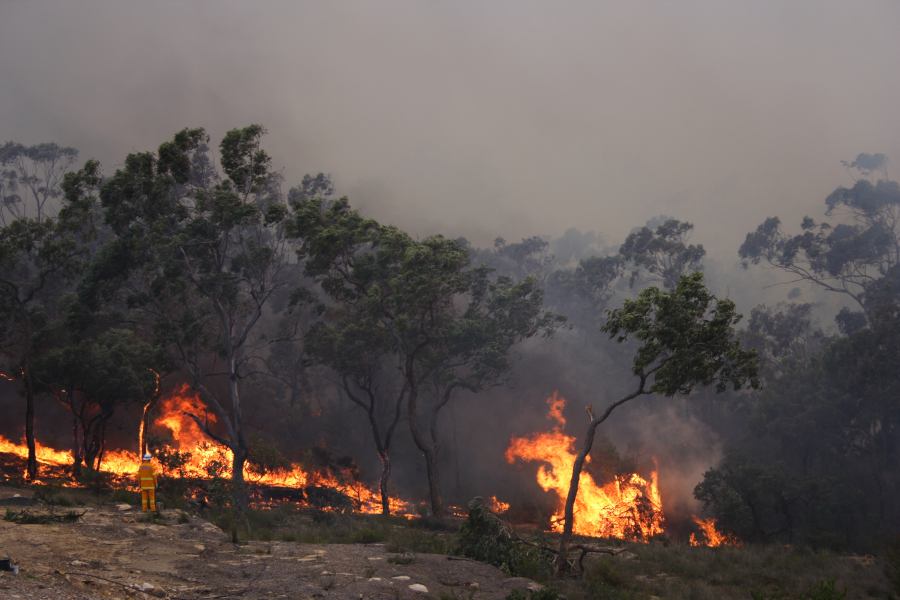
<point>483,118</point>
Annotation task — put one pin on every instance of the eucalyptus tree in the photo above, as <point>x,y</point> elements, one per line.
<point>445,324</point>
<point>359,350</point>
<point>94,376</point>
<point>31,179</point>
<point>663,253</point>
<point>849,253</point>
<point>40,259</point>
<point>685,338</point>
<point>197,256</point>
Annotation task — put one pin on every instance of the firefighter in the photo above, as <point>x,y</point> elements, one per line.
<point>147,479</point>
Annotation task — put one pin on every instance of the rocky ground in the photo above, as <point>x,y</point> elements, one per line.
<point>113,551</point>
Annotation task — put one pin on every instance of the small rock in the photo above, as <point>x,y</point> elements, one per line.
<point>149,588</point>
<point>376,558</point>
<point>78,563</point>
<point>200,547</point>
<point>309,558</point>
<point>475,585</point>
<point>123,507</point>
<point>401,577</point>
<point>374,578</point>
<point>418,587</point>
<point>518,583</point>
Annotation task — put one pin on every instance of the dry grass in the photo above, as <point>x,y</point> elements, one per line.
<point>755,572</point>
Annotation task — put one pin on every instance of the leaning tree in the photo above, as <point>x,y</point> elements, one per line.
<point>685,338</point>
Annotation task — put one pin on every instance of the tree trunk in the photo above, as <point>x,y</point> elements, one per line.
<point>434,486</point>
<point>238,444</point>
<point>239,488</point>
<point>77,452</point>
<point>77,438</point>
<point>29,425</point>
<point>383,483</point>
<point>429,451</point>
<point>562,564</point>
<point>101,446</point>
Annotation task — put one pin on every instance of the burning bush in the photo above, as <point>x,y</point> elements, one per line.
<point>265,457</point>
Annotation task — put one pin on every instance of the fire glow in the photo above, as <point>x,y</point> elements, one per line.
<point>201,459</point>
<point>710,535</point>
<point>628,507</point>
<point>205,458</point>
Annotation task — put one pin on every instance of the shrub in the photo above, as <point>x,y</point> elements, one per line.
<point>825,590</point>
<point>485,537</point>
<point>892,564</point>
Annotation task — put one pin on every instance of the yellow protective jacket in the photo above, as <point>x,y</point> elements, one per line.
<point>147,477</point>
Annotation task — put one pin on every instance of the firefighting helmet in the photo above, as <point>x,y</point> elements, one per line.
<point>147,456</point>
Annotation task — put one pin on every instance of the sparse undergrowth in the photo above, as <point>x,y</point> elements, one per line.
<point>27,517</point>
<point>757,572</point>
<point>289,524</point>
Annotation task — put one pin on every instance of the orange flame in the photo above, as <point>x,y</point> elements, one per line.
<point>711,536</point>
<point>497,505</point>
<point>628,507</point>
<point>203,459</point>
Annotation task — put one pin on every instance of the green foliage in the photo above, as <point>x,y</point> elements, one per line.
<point>245,163</point>
<point>662,253</point>
<point>54,496</point>
<point>30,179</point>
<point>171,460</point>
<point>101,373</point>
<point>113,367</point>
<point>417,303</point>
<point>825,590</point>
<point>686,339</point>
<point>368,536</point>
<point>485,537</point>
<point>815,466</point>
<point>265,457</point>
<point>196,259</point>
<point>401,559</point>
<point>848,258</point>
<point>26,517</point>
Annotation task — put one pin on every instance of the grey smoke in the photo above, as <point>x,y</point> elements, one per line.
<point>482,118</point>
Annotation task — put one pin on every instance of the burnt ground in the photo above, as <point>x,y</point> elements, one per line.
<point>113,551</point>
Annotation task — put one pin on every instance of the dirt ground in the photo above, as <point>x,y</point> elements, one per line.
<point>113,551</point>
